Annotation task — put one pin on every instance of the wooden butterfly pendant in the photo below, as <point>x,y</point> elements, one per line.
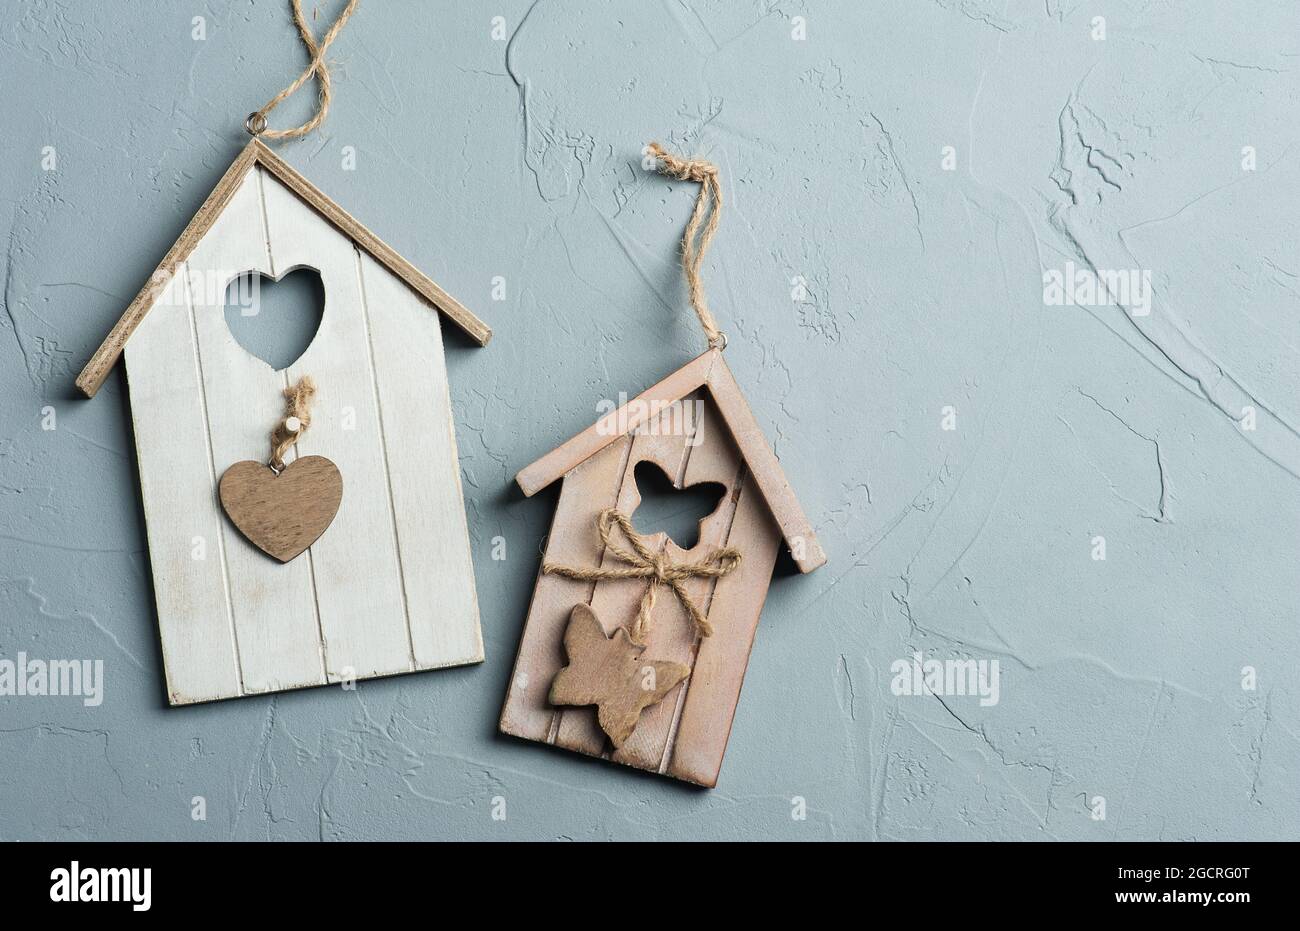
<point>608,672</point>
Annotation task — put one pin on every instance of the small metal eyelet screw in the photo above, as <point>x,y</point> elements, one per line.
<point>255,124</point>
<point>722,342</point>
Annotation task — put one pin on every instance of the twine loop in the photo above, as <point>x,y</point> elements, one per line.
<point>695,242</point>
<point>255,124</point>
<point>294,423</point>
<point>683,169</point>
<point>660,568</point>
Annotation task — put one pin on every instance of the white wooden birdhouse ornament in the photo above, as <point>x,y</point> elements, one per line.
<point>635,649</point>
<point>306,525</point>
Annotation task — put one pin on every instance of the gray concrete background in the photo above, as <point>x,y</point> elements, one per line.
<point>479,158</point>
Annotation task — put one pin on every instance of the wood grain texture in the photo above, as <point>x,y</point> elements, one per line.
<point>236,622</point>
<point>684,734</point>
<point>256,153</point>
<point>616,601</point>
<point>424,483</point>
<point>626,420</point>
<point>273,605</point>
<point>710,456</point>
<point>710,370</point>
<point>282,514</point>
<point>105,357</point>
<point>610,672</point>
<point>709,706</point>
<point>357,568</point>
<point>186,552</point>
<point>587,490</point>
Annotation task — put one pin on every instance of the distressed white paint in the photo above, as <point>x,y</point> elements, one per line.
<point>389,587</point>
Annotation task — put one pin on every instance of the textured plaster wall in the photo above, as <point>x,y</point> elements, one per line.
<point>478,158</point>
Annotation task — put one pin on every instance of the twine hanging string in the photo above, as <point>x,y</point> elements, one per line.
<point>696,242</point>
<point>642,562</point>
<point>659,568</point>
<point>296,420</point>
<point>256,122</point>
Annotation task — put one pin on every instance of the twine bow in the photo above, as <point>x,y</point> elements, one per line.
<point>660,568</point>
<point>695,243</point>
<point>296,420</point>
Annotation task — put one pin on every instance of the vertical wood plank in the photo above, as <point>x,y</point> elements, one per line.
<point>587,490</point>
<point>423,470</point>
<point>704,726</point>
<point>713,458</point>
<point>176,472</point>
<point>616,601</point>
<point>685,735</point>
<point>356,567</point>
<point>274,605</point>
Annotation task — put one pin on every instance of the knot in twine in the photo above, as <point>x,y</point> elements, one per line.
<point>694,242</point>
<point>660,568</point>
<point>296,420</point>
<point>256,122</point>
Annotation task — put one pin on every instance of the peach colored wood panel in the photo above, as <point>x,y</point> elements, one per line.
<point>709,369</point>
<point>616,601</point>
<point>684,735</point>
<point>713,459</point>
<point>561,460</point>
<point>710,706</point>
<point>586,491</point>
<point>707,454</point>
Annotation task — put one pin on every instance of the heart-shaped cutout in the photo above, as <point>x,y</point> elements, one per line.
<point>282,514</point>
<point>665,508</point>
<point>276,319</point>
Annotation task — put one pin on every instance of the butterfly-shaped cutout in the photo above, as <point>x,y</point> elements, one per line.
<point>608,672</point>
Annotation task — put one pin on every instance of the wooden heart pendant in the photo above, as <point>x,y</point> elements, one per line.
<point>282,514</point>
